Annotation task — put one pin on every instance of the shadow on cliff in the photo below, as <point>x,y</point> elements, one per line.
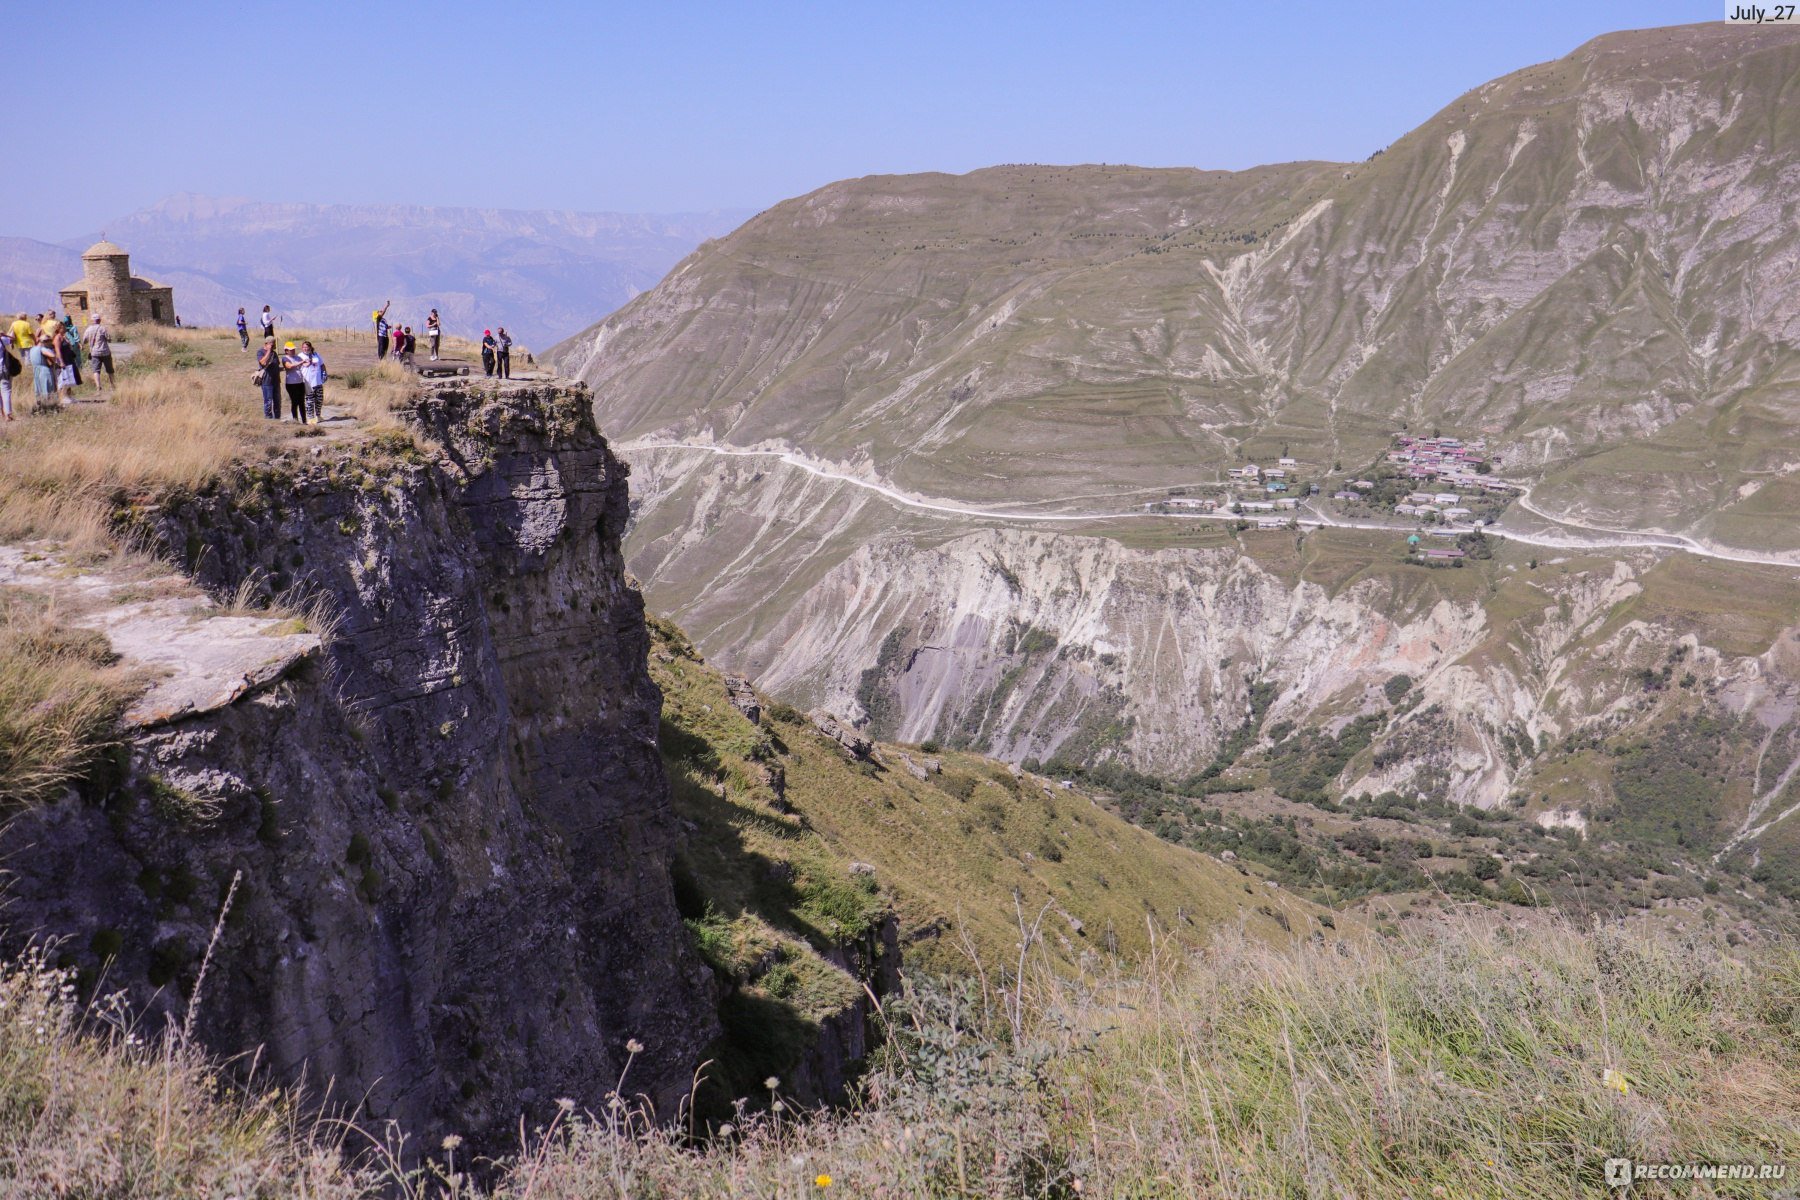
<point>791,943</point>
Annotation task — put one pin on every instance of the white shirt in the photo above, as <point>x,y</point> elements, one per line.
<point>312,369</point>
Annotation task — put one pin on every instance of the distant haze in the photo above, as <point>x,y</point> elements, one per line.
<point>541,274</point>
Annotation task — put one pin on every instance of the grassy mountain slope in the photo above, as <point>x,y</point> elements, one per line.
<point>1590,261</point>
<point>956,846</point>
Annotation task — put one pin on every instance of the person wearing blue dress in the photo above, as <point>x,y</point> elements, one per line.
<point>43,371</point>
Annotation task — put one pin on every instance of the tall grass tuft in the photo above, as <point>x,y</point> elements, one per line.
<point>91,1107</point>
<point>60,699</point>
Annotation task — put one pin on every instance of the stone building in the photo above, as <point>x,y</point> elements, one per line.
<point>108,287</point>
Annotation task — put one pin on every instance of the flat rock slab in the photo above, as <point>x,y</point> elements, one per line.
<point>197,656</point>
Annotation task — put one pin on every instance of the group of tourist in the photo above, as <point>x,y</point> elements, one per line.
<point>400,339</point>
<point>300,370</point>
<point>54,351</point>
<point>243,326</point>
<point>496,353</point>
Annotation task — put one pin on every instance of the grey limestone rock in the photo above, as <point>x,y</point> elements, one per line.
<point>450,822</point>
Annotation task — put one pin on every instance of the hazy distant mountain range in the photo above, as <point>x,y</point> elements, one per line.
<point>543,274</point>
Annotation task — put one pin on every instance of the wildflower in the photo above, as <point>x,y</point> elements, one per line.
<point>1616,1081</point>
<point>772,1082</point>
<point>823,1181</point>
<point>778,1106</point>
<point>633,1046</point>
<point>727,1129</point>
<point>564,1103</point>
<point>452,1141</point>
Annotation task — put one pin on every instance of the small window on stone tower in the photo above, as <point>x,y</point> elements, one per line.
<point>156,310</point>
<point>83,299</point>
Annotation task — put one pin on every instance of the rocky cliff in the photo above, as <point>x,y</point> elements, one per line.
<point>448,825</point>
<point>1156,646</point>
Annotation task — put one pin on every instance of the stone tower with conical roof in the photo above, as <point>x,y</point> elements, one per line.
<point>108,289</point>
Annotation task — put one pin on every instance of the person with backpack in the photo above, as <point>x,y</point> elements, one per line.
<point>381,330</point>
<point>313,375</point>
<point>243,329</point>
<point>268,378</point>
<point>433,332</point>
<point>97,340</point>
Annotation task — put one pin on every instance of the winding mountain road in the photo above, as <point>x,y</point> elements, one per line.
<point>1313,518</point>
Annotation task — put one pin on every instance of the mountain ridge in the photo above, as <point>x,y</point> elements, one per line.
<point>993,406</point>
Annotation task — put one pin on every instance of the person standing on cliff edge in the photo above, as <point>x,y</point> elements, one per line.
<point>503,354</point>
<point>291,381</point>
<point>488,346</point>
<point>381,330</point>
<point>433,331</point>
<point>313,375</point>
<point>268,378</point>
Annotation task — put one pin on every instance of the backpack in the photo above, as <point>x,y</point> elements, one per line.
<point>13,366</point>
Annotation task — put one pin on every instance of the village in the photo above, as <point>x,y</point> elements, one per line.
<point>1440,486</point>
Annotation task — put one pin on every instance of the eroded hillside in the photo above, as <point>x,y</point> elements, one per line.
<point>1589,265</point>
<point>1592,260</point>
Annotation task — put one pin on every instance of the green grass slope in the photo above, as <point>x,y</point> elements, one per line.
<point>958,855</point>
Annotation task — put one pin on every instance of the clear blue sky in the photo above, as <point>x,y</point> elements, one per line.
<point>681,105</point>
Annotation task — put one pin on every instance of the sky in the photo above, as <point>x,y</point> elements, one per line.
<point>679,105</point>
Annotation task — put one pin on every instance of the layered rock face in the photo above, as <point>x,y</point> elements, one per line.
<point>449,828</point>
<point>1028,643</point>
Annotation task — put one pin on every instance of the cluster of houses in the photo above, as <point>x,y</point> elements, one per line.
<point>1448,460</point>
<point>1256,489</point>
<point>1447,505</point>
<point>1274,480</point>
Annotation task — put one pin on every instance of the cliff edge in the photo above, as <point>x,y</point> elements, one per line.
<point>447,821</point>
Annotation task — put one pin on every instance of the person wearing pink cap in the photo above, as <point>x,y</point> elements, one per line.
<point>488,346</point>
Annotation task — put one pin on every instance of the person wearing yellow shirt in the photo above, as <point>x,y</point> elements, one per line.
<point>22,335</point>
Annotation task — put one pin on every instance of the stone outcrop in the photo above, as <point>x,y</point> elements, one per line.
<point>449,826</point>
<point>843,733</point>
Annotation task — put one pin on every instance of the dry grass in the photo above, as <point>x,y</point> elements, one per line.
<point>1468,1060</point>
<point>183,411</point>
<point>86,1114</point>
<point>60,698</point>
